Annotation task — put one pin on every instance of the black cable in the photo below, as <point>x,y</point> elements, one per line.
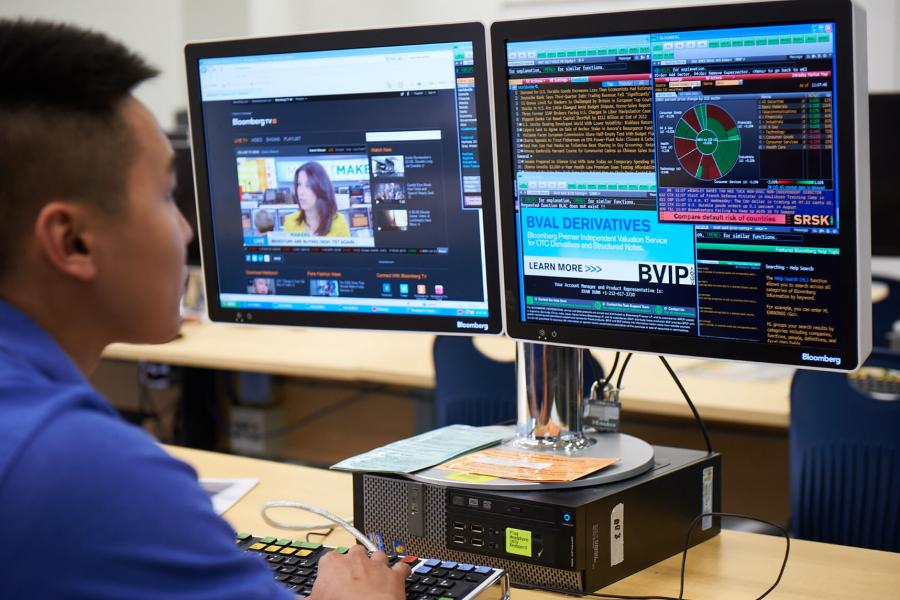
<point>622,371</point>
<point>687,541</point>
<point>612,371</point>
<point>322,534</point>
<point>598,368</point>
<point>593,366</point>
<point>697,417</point>
<point>528,586</point>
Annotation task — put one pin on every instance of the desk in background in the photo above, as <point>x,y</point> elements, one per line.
<point>745,405</point>
<point>726,392</point>
<point>730,393</point>
<point>732,565</point>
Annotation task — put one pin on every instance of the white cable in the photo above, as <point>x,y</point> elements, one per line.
<point>334,519</point>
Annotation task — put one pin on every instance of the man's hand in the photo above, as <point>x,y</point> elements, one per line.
<point>355,576</point>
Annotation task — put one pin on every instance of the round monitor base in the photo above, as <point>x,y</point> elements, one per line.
<point>635,457</point>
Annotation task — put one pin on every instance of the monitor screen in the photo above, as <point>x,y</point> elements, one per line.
<point>344,182</point>
<point>684,181</point>
<point>884,127</point>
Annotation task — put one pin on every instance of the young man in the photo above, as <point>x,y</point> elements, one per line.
<point>92,251</point>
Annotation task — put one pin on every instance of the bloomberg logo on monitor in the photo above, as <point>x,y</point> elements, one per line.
<point>253,121</point>
<point>821,358</point>
<point>471,325</point>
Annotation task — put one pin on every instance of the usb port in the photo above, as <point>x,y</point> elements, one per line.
<point>477,542</point>
<point>458,539</point>
<point>458,525</point>
<point>477,529</point>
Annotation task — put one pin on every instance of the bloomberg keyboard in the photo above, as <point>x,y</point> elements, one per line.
<point>295,564</point>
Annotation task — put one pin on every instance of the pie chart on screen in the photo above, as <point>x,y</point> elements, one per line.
<point>707,142</point>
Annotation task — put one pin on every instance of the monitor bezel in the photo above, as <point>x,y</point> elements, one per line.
<point>883,207</point>
<point>473,32</point>
<point>693,18</point>
<point>186,199</point>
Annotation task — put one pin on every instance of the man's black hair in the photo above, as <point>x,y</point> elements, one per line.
<point>54,66</point>
<point>61,132</point>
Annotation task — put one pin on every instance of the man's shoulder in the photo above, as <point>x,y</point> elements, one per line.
<point>94,431</point>
<point>107,494</point>
<point>80,444</point>
<point>31,406</point>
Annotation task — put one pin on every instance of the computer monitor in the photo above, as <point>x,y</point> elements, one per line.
<point>884,128</point>
<point>345,179</point>
<point>184,190</point>
<point>688,181</point>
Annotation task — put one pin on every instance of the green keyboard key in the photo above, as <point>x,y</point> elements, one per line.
<point>341,550</point>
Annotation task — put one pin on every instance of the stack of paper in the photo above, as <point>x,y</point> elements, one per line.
<point>527,466</point>
<point>425,450</point>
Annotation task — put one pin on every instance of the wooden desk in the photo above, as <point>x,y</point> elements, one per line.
<point>733,565</point>
<point>727,392</point>
<point>393,358</point>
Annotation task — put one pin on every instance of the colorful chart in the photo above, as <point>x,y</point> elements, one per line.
<point>707,142</point>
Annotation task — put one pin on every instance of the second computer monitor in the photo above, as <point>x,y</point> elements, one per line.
<point>884,120</point>
<point>688,181</point>
<point>345,179</point>
<point>184,195</point>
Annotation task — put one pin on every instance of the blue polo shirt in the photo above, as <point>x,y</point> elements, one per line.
<point>91,506</point>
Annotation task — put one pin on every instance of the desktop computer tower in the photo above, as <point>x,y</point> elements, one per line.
<point>577,540</point>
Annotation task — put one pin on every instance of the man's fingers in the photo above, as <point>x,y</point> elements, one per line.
<point>402,568</point>
<point>380,557</point>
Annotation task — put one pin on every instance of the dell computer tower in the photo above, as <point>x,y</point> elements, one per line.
<point>577,540</point>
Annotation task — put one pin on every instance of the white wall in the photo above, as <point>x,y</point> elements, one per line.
<point>152,28</point>
<point>158,28</point>
<point>883,21</point>
<point>271,17</point>
<point>287,16</point>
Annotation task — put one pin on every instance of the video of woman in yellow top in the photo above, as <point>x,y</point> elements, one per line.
<point>318,214</point>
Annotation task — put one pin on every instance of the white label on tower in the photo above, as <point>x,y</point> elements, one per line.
<point>706,523</point>
<point>617,535</point>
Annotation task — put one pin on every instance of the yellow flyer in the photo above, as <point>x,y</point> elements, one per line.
<point>527,466</point>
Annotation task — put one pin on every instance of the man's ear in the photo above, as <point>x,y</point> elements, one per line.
<point>63,235</point>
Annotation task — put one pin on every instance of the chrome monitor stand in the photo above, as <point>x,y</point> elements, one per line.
<point>551,409</point>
